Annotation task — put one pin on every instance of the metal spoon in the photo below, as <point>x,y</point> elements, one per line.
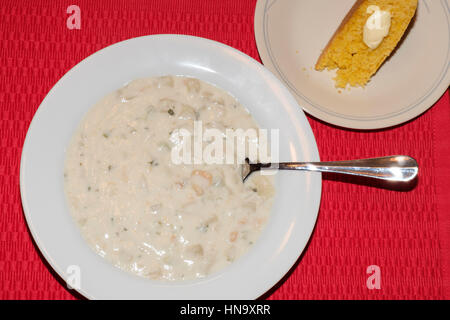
<point>391,168</point>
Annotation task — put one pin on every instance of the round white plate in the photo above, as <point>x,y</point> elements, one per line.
<point>41,171</point>
<point>291,35</point>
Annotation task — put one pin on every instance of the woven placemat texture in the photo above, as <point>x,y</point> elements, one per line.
<point>406,234</point>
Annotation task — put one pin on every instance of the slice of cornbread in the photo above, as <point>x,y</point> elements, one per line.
<point>347,52</point>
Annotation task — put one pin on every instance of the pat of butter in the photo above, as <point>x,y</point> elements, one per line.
<point>377,26</point>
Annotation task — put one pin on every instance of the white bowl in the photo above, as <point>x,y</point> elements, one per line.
<point>41,173</point>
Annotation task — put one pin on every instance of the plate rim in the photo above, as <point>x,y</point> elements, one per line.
<point>36,118</point>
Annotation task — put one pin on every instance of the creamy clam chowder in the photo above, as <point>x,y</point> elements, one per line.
<point>141,211</point>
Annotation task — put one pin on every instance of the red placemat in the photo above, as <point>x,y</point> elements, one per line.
<point>406,234</point>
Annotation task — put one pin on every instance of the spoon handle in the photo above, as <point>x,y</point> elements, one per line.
<point>392,168</point>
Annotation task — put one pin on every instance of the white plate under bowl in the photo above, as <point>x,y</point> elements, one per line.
<point>269,101</point>
<point>291,35</point>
